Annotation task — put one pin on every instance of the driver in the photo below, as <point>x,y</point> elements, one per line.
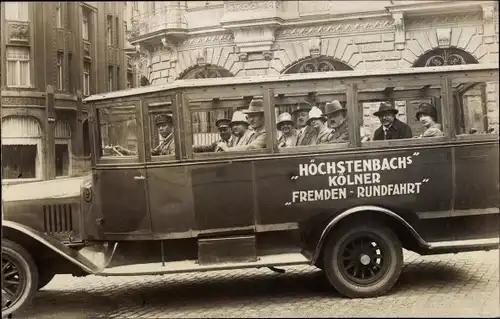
<point>164,124</point>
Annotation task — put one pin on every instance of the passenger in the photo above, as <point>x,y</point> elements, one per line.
<point>337,118</point>
<point>257,139</point>
<point>305,133</point>
<point>225,137</point>
<point>288,136</point>
<point>239,126</point>
<point>318,122</point>
<point>164,124</point>
<point>427,115</point>
<point>391,127</point>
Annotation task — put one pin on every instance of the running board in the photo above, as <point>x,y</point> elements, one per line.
<point>193,266</point>
<point>462,246</point>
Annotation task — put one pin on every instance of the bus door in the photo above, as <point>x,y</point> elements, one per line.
<point>120,174</point>
<point>476,198</point>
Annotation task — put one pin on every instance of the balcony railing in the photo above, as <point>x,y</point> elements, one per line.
<point>161,19</point>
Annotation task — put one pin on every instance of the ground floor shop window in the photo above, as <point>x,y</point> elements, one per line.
<point>62,160</point>
<point>19,161</point>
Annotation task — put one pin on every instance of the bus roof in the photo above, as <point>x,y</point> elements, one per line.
<point>211,82</point>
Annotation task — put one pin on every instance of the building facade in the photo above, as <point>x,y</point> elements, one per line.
<point>200,39</point>
<point>53,55</point>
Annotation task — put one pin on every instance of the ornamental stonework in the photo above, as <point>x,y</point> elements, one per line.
<point>344,27</point>
<point>448,19</point>
<point>18,32</point>
<point>6,101</point>
<point>252,5</point>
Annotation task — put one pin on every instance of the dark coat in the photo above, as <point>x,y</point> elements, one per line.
<point>307,138</point>
<point>397,130</point>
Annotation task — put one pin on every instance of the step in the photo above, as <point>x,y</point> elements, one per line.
<point>193,266</point>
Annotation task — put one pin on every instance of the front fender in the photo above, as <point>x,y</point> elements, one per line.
<point>59,248</point>
<point>359,209</point>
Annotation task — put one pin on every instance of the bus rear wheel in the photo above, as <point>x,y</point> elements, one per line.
<point>363,261</point>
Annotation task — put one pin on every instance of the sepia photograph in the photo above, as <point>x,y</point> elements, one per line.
<point>250,159</point>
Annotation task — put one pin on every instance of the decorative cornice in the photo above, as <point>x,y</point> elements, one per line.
<point>215,38</point>
<point>443,19</point>
<point>345,27</point>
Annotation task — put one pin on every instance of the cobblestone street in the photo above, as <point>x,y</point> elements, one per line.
<point>448,285</point>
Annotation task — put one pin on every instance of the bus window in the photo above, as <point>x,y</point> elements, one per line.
<point>161,132</point>
<point>476,108</point>
<point>227,126</point>
<point>312,119</point>
<point>400,113</point>
<point>118,131</point>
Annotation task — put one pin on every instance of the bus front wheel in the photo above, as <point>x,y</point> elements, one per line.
<point>19,277</point>
<point>363,261</point>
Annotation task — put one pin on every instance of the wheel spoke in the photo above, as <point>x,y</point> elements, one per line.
<point>362,273</point>
<point>372,273</point>
<point>6,265</point>
<point>12,272</point>
<point>9,291</point>
<point>12,282</point>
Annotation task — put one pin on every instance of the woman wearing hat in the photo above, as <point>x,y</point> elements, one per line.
<point>427,115</point>
<point>391,127</point>
<point>286,125</point>
<point>337,118</point>
<point>318,122</point>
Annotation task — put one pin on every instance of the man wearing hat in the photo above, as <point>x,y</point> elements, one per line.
<point>288,136</point>
<point>305,133</point>
<point>225,137</point>
<point>164,124</point>
<point>337,118</point>
<point>257,139</point>
<point>317,121</point>
<point>427,115</point>
<point>391,127</point>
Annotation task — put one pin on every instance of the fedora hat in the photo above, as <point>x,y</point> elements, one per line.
<point>284,118</point>
<point>256,106</point>
<point>385,108</point>
<point>334,107</point>
<point>222,122</point>
<point>301,106</point>
<point>428,109</point>
<point>239,117</point>
<point>316,114</point>
<point>163,119</point>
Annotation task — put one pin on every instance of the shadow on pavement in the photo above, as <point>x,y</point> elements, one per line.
<point>201,290</point>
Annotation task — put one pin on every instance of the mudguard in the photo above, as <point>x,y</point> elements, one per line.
<point>358,209</point>
<point>73,256</point>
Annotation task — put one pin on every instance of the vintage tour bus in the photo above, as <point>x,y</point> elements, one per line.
<point>340,170</point>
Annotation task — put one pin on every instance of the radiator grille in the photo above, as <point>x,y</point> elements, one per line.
<point>58,218</point>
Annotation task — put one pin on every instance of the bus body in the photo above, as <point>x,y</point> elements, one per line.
<point>348,208</point>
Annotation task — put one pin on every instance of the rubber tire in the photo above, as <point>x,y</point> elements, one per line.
<point>44,277</point>
<point>28,267</point>
<point>351,290</point>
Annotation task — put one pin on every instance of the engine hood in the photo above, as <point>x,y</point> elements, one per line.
<point>51,189</point>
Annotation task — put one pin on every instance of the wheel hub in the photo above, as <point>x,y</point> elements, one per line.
<point>364,259</point>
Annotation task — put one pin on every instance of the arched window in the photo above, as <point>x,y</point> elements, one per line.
<point>206,71</point>
<point>440,57</point>
<point>62,136</point>
<point>21,148</point>
<point>317,64</point>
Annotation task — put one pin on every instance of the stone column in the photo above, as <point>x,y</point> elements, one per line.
<point>50,147</point>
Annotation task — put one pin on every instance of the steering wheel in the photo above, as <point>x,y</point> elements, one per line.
<point>117,151</point>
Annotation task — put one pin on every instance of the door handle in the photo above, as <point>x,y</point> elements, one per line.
<point>140,177</point>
